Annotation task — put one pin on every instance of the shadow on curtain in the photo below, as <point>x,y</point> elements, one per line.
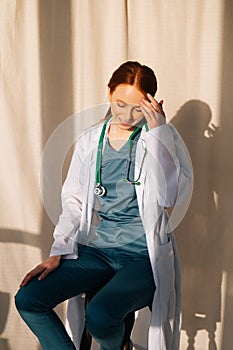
<point>205,235</point>
<point>198,234</point>
<point>5,304</point>
<point>226,171</point>
<point>21,237</point>
<point>56,80</point>
<point>55,31</point>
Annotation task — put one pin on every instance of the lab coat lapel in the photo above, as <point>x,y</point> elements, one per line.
<point>140,151</point>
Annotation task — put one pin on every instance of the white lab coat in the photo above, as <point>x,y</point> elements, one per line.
<point>166,181</point>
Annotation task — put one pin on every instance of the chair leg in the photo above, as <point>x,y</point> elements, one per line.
<point>129,322</point>
<point>128,345</point>
<point>86,340</point>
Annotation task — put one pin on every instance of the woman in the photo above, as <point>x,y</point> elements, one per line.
<point>124,172</point>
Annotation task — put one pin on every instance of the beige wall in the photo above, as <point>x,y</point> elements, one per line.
<point>56,57</point>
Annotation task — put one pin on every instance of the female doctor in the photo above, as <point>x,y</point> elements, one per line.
<point>113,234</point>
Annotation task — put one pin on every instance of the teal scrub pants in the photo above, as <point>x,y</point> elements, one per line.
<point>125,284</point>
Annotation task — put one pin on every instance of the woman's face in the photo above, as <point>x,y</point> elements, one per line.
<point>125,106</point>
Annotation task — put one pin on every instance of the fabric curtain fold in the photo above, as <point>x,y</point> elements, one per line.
<point>56,58</point>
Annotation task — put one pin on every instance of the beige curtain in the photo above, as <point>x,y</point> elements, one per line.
<point>56,57</point>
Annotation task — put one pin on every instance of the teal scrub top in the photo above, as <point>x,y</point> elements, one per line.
<point>120,223</point>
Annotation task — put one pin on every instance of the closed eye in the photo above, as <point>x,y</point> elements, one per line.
<point>121,104</point>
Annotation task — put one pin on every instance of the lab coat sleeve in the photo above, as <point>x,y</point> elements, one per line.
<point>172,170</point>
<point>65,233</point>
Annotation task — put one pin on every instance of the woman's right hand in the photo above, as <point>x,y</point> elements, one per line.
<point>42,269</point>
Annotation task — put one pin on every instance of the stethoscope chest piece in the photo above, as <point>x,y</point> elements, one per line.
<point>99,190</point>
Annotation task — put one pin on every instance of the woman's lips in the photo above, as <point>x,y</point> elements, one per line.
<point>125,123</point>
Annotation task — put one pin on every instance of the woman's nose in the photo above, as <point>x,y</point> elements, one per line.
<point>129,114</point>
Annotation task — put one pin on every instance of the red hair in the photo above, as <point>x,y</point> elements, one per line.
<point>133,73</point>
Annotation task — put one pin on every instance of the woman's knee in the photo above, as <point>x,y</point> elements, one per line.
<point>25,300</point>
<point>98,320</point>
<point>22,300</point>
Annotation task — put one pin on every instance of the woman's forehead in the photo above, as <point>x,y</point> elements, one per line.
<point>129,94</point>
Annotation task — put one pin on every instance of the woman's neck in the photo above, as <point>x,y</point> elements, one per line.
<point>117,137</point>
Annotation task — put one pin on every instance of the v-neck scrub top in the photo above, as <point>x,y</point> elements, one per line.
<point>120,222</point>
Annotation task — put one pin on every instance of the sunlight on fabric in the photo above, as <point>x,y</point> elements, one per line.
<point>55,62</point>
<point>99,52</point>
<point>192,31</point>
<point>20,111</point>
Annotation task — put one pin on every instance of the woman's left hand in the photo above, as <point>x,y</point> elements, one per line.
<point>153,112</point>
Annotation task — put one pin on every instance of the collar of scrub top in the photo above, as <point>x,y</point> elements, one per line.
<point>99,188</point>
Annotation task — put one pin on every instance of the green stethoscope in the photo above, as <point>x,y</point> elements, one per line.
<point>100,190</point>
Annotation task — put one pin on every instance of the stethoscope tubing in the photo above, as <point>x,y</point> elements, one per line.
<point>99,188</point>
